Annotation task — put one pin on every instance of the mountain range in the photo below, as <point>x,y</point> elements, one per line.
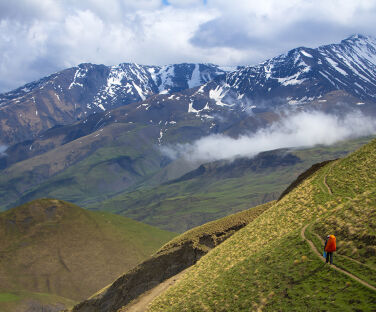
<point>115,147</point>
<point>75,93</point>
<point>301,76</point>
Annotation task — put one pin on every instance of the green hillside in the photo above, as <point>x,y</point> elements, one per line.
<point>84,170</point>
<point>55,248</point>
<point>119,168</point>
<point>223,188</point>
<point>270,266</point>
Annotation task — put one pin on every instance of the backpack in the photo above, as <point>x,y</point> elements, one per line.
<point>331,244</point>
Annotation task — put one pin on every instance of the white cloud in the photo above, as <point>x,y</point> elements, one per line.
<point>185,3</point>
<point>38,37</point>
<point>41,46</point>
<point>3,148</point>
<point>274,26</point>
<point>297,130</point>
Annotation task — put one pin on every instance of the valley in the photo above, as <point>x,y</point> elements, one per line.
<point>217,189</point>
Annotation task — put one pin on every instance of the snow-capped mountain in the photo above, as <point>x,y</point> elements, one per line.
<point>111,86</point>
<point>303,77</point>
<point>299,77</point>
<point>77,92</point>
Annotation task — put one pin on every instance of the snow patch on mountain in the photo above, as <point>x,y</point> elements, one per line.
<point>140,93</point>
<point>306,54</point>
<point>79,74</point>
<point>167,73</point>
<point>335,65</point>
<point>195,78</point>
<point>218,94</point>
<point>291,80</point>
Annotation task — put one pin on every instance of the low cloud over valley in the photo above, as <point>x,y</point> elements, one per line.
<point>302,129</point>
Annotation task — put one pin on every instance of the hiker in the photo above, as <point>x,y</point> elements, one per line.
<point>330,247</point>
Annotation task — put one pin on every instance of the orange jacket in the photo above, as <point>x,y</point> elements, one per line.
<point>331,244</point>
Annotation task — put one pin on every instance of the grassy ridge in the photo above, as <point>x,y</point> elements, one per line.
<point>51,246</point>
<point>267,266</point>
<point>215,229</point>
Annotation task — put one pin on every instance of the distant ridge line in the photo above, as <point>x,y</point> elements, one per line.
<point>305,175</point>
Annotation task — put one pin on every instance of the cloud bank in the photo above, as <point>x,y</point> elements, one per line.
<point>303,129</point>
<point>39,37</point>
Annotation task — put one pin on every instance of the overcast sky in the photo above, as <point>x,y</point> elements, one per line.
<point>39,37</point>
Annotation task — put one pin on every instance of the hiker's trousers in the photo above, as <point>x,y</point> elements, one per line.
<point>329,257</point>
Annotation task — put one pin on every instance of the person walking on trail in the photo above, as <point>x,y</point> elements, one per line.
<point>329,247</point>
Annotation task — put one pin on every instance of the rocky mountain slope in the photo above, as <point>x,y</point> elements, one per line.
<point>51,247</point>
<point>299,77</point>
<point>295,79</point>
<point>77,92</point>
<point>275,262</point>
<point>303,78</point>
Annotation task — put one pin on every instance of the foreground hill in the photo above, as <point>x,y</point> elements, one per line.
<point>272,264</point>
<point>54,247</point>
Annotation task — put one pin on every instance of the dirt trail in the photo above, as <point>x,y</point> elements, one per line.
<point>349,198</point>
<point>325,183</point>
<point>313,247</point>
<point>344,256</point>
<point>141,303</point>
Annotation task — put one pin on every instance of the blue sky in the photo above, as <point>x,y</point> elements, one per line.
<point>39,37</point>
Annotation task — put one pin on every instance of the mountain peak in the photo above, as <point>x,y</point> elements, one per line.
<point>359,38</point>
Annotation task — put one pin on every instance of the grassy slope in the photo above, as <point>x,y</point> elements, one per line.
<point>267,266</point>
<point>26,301</point>
<point>175,256</point>
<point>94,167</point>
<point>183,205</point>
<point>84,170</point>
<point>228,224</point>
<point>51,246</point>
